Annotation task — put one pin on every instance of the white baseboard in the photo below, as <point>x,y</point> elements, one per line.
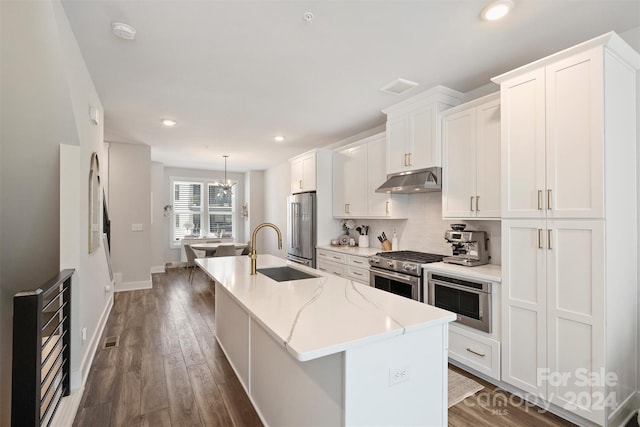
<point>133,286</point>
<point>157,269</point>
<point>69,405</point>
<point>79,378</point>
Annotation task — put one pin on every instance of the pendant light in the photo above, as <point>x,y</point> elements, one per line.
<point>226,186</point>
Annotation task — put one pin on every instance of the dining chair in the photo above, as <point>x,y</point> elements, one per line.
<point>247,250</point>
<point>191,261</point>
<point>225,250</point>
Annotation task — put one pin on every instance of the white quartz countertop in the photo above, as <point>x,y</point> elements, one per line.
<point>489,272</point>
<point>351,250</point>
<point>316,317</point>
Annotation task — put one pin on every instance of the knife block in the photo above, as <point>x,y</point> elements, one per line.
<point>386,245</point>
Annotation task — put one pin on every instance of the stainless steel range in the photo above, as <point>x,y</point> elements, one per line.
<point>400,272</point>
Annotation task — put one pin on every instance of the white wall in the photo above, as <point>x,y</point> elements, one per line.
<point>172,255</point>
<point>158,220</point>
<point>130,203</point>
<point>46,93</point>
<point>277,181</point>
<point>255,199</point>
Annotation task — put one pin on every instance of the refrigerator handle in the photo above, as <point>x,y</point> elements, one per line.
<point>294,225</point>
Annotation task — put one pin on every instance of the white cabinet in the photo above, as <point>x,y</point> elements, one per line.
<point>553,289</point>
<point>358,170</point>
<point>350,182</point>
<point>569,237</point>
<point>476,351</point>
<point>471,159</point>
<point>349,266</point>
<point>303,173</point>
<point>413,130</point>
<point>553,137</point>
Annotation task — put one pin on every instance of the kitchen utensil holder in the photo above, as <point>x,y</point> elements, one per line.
<point>386,245</point>
<point>363,241</point>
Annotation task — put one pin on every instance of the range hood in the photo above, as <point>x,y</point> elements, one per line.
<point>418,181</point>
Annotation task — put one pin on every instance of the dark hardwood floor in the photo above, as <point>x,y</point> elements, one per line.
<point>168,370</point>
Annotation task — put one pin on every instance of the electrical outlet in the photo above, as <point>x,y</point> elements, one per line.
<point>84,334</point>
<point>398,374</point>
<point>137,227</point>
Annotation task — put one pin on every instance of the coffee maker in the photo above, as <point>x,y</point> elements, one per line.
<point>469,247</point>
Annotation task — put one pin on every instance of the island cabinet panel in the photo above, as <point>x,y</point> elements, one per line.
<point>287,392</point>
<point>232,332</point>
<point>402,381</point>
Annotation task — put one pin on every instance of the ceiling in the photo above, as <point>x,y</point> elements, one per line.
<point>234,74</point>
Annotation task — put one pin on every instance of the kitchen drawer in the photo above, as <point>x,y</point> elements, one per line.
<point>358,261</point>
<point>360,275</point>
<point>331,256</point>
<point>332,267</point>
<point>474,350</point>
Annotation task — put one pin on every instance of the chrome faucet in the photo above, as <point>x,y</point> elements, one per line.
<point>254,255</point>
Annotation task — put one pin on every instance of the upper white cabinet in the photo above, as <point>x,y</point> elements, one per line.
<point>303,173</point>
<point>569,239</point>
<point>471,159</point>
<point>413,130</point>
<point>358,170</point>
<point>350,182</point>
<point>554,140</point>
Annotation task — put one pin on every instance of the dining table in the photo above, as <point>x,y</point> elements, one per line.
<point>210,248</point>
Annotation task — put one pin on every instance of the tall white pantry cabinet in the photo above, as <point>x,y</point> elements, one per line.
<point>569,229</point>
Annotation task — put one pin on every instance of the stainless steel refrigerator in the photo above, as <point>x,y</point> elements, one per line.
<point>301,228</point>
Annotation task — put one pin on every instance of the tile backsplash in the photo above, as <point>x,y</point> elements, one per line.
<point>424,230</point>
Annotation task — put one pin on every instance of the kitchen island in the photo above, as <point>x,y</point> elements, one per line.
<point>328,351</point>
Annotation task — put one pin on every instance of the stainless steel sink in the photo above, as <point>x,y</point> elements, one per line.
<point>286,273</point>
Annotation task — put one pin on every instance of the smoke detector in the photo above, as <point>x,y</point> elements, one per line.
<point>124,31</point>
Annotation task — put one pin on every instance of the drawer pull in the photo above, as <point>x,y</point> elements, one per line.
<point>475,352</point>
<point>322,269</point>
<point>357,262</point>
<point>337,274</point>
<point>358,274</point>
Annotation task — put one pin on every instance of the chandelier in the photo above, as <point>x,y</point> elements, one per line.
<point>226,185</point>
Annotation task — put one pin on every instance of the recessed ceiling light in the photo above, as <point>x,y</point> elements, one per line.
<point>124,31</point>
<point>278,138</point>
<point>168,122</point>
<point>496,10</point>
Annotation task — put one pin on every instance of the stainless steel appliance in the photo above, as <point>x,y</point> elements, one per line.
<point>469,299</point>
<point>301,228</point>
<point>418,181</point>
<point>400,272</point>
<point>469,247</point>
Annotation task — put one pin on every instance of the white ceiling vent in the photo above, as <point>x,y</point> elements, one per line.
<point>124,31</point>
<point>399,86</point>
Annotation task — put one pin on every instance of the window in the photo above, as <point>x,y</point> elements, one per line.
<point>211,213</point>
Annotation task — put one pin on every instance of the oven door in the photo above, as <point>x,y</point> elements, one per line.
<point>397,283</point>
<point>469,300</point>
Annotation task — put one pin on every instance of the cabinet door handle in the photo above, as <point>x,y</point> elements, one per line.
<point>409,160</point>
<point>476,353</point>
<point>300,184</point>
<point>549,239</point>
<point>405,160</point>
<point>357,274</point>
<point>386,207</point>
<point>549,200</point>
<point>539,238</point>
<point>539,200</point>
<point>477,203</point>
<point>347,207</point>
<point>357,262</point>
<point>471,203</point>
